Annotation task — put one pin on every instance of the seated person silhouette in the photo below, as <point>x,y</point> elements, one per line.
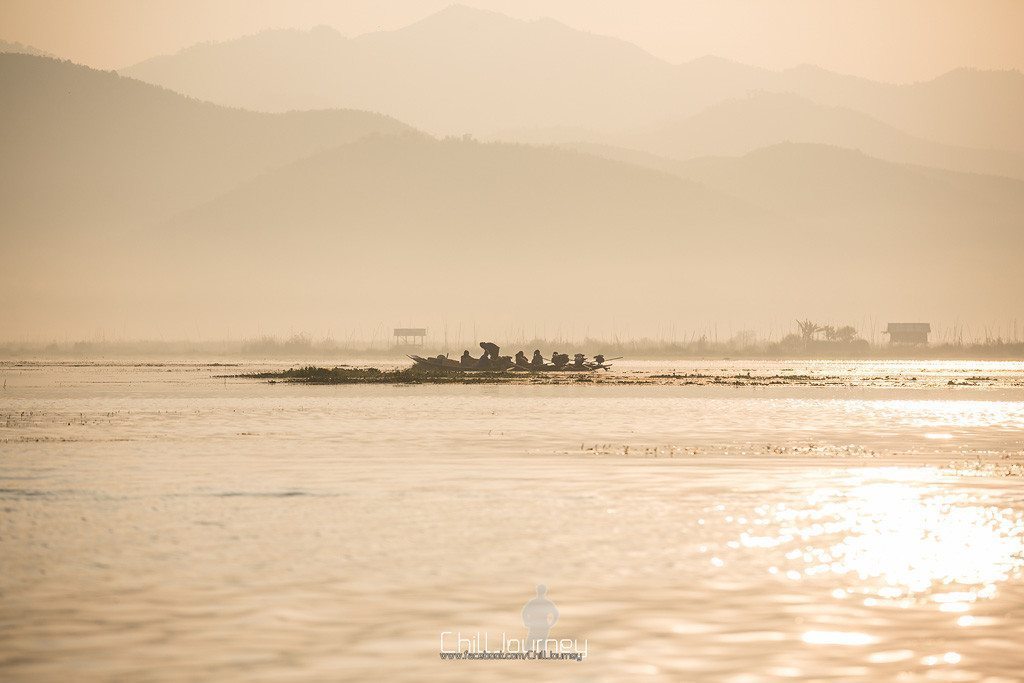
<point>539,615</point>
<point>560,360</point>
<point>491,350</point>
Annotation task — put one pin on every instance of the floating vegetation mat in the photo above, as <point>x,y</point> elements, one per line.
<point>415,375</point>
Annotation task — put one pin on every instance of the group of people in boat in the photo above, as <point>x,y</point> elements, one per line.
<point>492,358</point>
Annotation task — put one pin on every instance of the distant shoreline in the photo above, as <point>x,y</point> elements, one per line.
<point>639,350</point>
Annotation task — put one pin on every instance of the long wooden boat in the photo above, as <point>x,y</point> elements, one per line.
<point>451,365</point>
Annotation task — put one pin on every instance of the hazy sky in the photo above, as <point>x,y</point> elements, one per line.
<point>896,40</point>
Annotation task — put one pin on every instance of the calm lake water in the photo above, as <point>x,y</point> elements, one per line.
<point>160,522</point>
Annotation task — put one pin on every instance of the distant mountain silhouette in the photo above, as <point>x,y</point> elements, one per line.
<point>738,126</point>
<point>455,71</point>
<point>20,48</point>
<point>466,221</point>
<point>968,107</point>
<point>464,69</point>
<point>405,191</point>
<point>450,189</point>
<point>814,184</point>
<point>888,230</point>
<point>84,149</point>
<point>515,230</point>
<point>121,196</point>
<point>821,184</point>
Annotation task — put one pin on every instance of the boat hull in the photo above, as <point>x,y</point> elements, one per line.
<point>448,365</point>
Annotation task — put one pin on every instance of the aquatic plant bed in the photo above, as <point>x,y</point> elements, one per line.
<point>347,375</point>
<point>355,375</point>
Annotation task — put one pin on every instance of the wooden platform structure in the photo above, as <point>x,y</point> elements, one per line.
<point>908,333</point>
<point>410,336</point>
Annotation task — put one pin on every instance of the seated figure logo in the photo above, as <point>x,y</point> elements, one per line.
<point>539,615</point>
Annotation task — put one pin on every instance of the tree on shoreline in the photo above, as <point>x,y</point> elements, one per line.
<point>808,330</point>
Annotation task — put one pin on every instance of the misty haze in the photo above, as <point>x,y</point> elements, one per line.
<point>334,333</point>
<point>300,182</point>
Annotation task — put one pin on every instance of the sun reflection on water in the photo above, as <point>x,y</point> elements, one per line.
<point>898,534</point>
<point>937,416</point>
